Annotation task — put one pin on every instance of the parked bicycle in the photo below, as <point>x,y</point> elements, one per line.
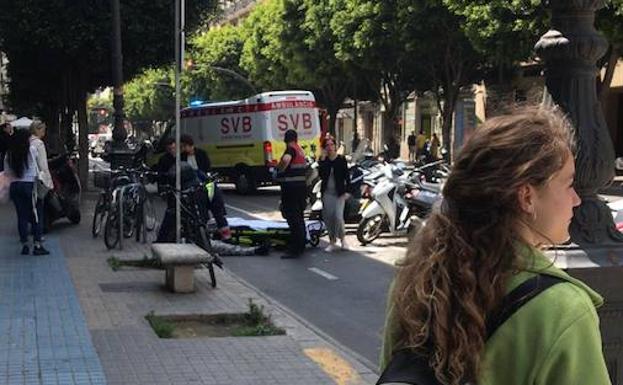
<point>125,207</point>
<point>194,218</point>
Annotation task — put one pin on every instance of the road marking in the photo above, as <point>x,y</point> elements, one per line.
<point>335,366</point>
<point>323,273</point>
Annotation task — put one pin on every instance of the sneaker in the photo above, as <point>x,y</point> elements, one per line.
<point>39,250</point>
<point>345,246</point>
<point>25,250</point>
<point>331,248</point>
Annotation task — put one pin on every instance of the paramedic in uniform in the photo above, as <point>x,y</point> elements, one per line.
<point>291,176</point>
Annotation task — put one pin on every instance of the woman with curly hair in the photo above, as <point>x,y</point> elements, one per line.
<point>510,193</point>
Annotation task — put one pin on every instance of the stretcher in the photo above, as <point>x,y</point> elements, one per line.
<point>258,232</point>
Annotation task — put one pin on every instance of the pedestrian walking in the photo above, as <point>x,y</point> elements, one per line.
<point>434,147</point>
<point>420,143</point>
<point>21,162</point>
<point>335,189</point>
<point>6,131</point>
<point>411,142</point>
<point>291,176</point>
<point>355,143</point>
<point>510,194</point>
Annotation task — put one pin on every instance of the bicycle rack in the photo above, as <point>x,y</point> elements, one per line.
<point>122,191</point>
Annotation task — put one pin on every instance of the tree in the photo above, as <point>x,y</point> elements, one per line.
<point>290,44</point>
<point>373,34</point>
<point>504,32</point>
<point>59,50</point>
<point>309,44</point>
<point>150,95</point>
<point>447,60</point>
<point>222,48</point>
<point>263,54</point>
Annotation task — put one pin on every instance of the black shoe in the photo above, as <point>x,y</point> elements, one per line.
<point>25,250</point>
<point>39,250</point>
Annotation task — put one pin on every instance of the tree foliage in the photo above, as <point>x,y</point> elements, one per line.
<point>221,48</point>
<point>150,95</point>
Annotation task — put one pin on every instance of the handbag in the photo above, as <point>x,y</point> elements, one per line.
<point>409,367</point>
<point>6,178</point>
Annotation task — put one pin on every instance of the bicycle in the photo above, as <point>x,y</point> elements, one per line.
<point>129,208</point>
<point>194,219</point>
<point>111,180</point>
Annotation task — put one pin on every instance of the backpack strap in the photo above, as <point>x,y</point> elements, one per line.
<point>409,367</point>
<point>518,297</point>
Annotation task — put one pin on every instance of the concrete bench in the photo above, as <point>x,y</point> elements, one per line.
<point>179,260</point>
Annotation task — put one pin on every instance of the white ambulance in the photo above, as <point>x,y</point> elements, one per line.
<point>244,138</point>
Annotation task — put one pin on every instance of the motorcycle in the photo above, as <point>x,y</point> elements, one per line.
<point>399,204</point>
<point>64,199</point>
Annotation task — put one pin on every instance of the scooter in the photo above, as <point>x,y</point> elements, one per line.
<point>64,199</point>
<point>399,204</point>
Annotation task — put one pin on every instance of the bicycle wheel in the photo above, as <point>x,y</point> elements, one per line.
<point>150,214</point>
<point>99,216</point>
<point>204,243</point>
<point>130,212</point>
<point>111,230</point>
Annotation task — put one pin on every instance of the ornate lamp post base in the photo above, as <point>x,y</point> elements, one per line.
<point>570,51</point>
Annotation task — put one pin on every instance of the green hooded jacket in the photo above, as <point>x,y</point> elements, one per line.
<point>552,340</point>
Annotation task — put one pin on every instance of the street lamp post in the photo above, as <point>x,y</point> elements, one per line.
<point>570,50</point>
<point>179,59</point>
<point>119,134</point>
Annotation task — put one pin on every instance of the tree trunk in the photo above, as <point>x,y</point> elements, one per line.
<point>332,111</point>
<point>83,140</point>
<point>447,114</point>
<point>53,135</point>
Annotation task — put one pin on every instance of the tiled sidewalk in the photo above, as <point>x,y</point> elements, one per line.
<point>44,337</point>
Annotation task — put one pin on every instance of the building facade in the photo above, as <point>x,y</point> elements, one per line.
<point>234,11</point>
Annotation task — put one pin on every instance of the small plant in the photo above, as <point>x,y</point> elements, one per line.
<point>256,323</point>
<point>114,263</point>
<point>162,327</point>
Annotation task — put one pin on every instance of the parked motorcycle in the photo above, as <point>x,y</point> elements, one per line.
<point>399,203</point>
<point>64,199</point>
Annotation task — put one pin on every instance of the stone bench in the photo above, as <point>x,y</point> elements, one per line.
<point>179,260</point>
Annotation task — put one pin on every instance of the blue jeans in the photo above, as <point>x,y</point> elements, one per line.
<point>21,195</point>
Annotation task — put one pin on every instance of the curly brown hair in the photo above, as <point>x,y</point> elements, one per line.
<point>457,266</point>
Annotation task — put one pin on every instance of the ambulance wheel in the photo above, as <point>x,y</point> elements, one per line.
<point>245,184</point>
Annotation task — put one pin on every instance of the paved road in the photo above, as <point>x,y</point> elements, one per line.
<point>342,294</point>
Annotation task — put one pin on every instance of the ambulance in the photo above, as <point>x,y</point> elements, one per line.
<point>244,138</point>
